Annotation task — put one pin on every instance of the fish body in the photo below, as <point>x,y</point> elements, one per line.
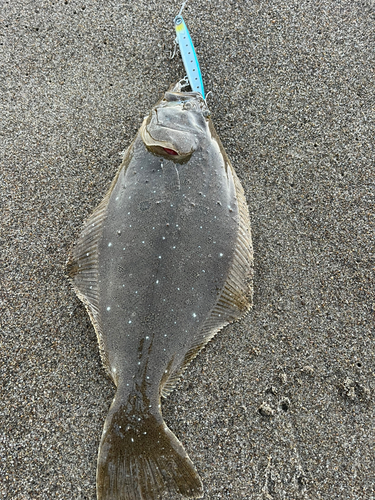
<point>163,263</point>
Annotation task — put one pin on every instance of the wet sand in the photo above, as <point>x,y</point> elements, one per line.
<point>279,405</point>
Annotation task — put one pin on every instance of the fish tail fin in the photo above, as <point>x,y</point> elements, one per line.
<point>140,458</point>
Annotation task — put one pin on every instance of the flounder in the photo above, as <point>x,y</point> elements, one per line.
<point>163,263</point>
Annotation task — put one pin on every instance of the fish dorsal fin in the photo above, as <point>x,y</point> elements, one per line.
<point>236,297</point>
<point>82,266</point>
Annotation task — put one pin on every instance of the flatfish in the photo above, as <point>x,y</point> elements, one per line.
<point>163,263</point>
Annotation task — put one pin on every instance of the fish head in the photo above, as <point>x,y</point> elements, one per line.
<point>178,125</point>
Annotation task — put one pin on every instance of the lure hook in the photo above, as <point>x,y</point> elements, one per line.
<point>208,93</point>
<point>182,7</point>
<point>174,49</point>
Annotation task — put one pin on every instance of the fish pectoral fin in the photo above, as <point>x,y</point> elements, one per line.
<point>139,457</point>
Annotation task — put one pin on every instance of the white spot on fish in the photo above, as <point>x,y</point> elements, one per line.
<point>159,256</point>
<point>163,237</point>
<point>87,254</point>
<point>194,315</point>
<point>129,321</point>
<point>116,198</point>
<point>108,308</point>
<point>221,254</point>
<point>143,242</point>
<point>147,339</point>
<point>157,281</point>
<point>109,244</point>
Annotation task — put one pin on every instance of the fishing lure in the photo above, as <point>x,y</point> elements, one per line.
<point>189,57</point>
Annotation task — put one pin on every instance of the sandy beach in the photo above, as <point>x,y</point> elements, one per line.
<point>279,406</point>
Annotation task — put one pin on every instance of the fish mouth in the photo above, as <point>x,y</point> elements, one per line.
<point>171,152</point>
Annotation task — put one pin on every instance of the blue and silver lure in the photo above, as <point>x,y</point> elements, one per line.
<point>189,57</point>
